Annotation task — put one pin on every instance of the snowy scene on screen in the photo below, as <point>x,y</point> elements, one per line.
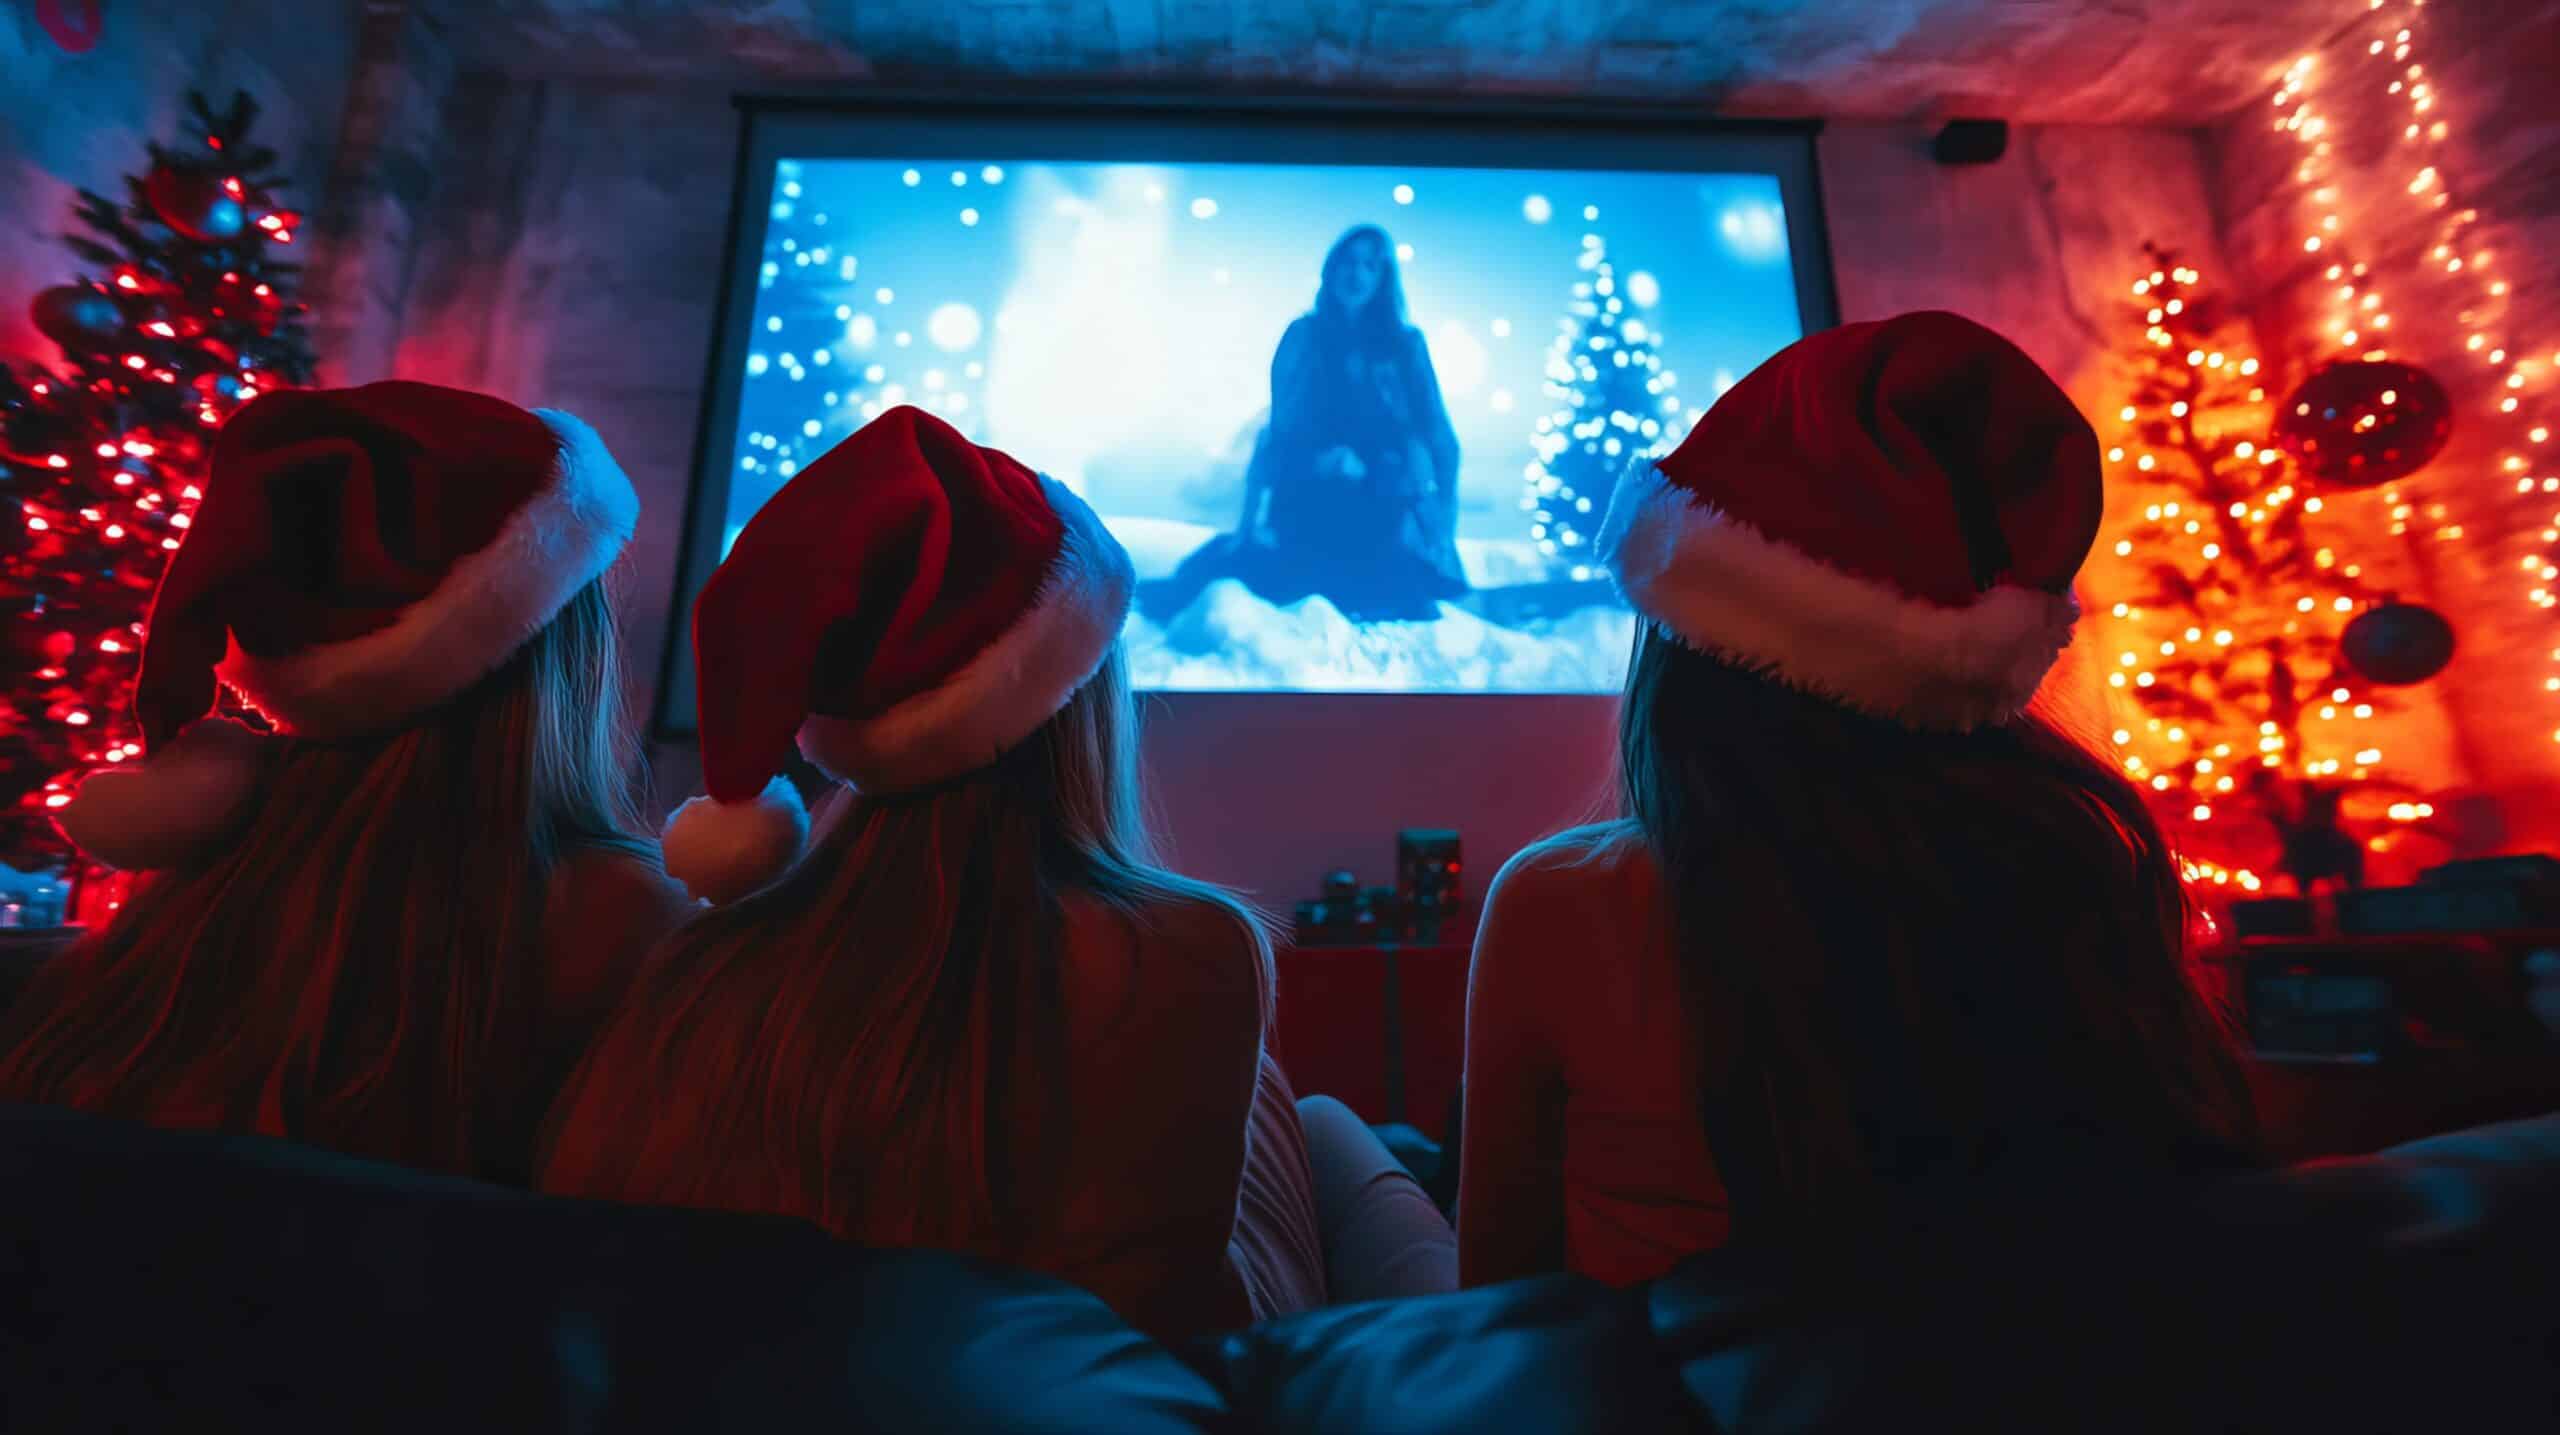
<point>1356,426</point>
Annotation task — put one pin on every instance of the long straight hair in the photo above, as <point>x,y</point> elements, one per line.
<point>359,969</point>
<point>1911,955</point>
<point>1384,313</point>
<point>857,1044</point>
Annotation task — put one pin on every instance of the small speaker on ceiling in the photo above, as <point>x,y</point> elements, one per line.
<point>1971,141</point>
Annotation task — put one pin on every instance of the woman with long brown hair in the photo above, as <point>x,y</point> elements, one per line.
<point>388,918</point>
<point>1352,491</point>
<point>977,1016</point>
<point>1870,929</point>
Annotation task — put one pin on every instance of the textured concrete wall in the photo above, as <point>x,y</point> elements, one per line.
<point>572,260</point>
<point>2491,68</point>
<point>2035,61</point>
<point>390,155</point>
<point>80,120</point>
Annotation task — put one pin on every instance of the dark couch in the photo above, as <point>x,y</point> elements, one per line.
<point>161,1281</point>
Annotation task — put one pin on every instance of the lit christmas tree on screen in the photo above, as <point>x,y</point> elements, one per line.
<point>1614,404</point>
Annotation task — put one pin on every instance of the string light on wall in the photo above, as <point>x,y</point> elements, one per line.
<point>2359,318</point>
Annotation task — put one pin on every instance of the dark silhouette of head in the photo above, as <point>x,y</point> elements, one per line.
<point>1361,284</point>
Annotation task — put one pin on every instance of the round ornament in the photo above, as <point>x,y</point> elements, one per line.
<point>77,317</point>
<point>2396,643</point>
<point>194,203</point>
<point>2356,423</point>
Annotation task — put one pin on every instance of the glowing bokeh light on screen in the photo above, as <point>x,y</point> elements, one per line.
<point>1460,360</point>
<point>953,327</point>
<point>1754,231</point>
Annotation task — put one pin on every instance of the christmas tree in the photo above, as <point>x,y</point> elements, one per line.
<point>182,312</point>
<point>2253,731</point>
<point>827,356</point>
<point>1614,404</point>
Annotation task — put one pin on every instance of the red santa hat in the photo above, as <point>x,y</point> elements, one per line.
<point>1889,515</point>
<point>909,606</point>
<point>360,557</point>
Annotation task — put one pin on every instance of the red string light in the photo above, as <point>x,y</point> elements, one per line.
<point>102,511</point>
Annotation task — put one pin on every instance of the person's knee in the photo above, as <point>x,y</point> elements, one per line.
<point>1326,1110</point>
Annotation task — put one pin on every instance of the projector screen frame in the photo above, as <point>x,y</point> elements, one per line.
<point>1179,127</point>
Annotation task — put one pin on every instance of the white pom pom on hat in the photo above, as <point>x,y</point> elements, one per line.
<point>171,809</point>
<point>722,851</point>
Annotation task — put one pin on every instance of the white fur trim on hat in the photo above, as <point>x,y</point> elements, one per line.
<point>489,604</point>
<point>1722,587</point>
<point>1009,689</point>
<point>722,851</point>
<point>164,812</point>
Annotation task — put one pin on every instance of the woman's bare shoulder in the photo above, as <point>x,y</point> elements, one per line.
<point>1579,857</point>
<point>613,885</point>
<point>1195,945</point>
<point>1180,922</point>
<point>605,910</point>
<point>1584,880</point>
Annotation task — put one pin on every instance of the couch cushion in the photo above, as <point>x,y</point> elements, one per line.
<point>2534,1142</point>
<point>2370,1295</point>
<point>1557,1354</point>
<point>159,1280</point>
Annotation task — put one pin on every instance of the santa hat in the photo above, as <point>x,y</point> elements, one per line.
<point>1889,515</point>
<point>909,606</point>
<point>361,557</point>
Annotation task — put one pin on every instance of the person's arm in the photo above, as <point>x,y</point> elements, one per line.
<point>1165,1047</point>
<point>1438,435</point>
<point>1290,438</point>
<point>1257,486</point>
<point>1511,1148</point>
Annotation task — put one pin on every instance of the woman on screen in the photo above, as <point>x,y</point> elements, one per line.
<point>1870,931</point>
<point>1352,491</point>
<point>390,924</point>
<point>976,1016</point>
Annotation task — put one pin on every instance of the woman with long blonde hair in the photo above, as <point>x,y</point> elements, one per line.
<point>386,919</point>
<point>977,1016</point>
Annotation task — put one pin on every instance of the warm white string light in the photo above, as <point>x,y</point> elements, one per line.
<point>2359,315</point>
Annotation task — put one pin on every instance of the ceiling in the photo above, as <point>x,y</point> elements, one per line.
<point>2033,61</point>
